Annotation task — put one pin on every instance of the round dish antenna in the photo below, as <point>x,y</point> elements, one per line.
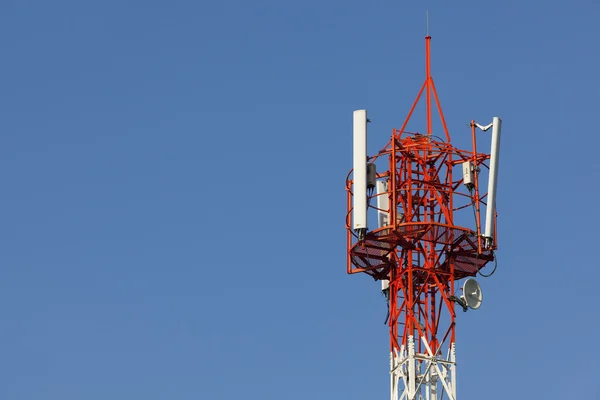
<point>472,296</point>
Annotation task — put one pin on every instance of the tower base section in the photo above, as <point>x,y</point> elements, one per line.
<point>422,375</point>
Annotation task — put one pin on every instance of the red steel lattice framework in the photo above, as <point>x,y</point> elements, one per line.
<point>422,251</point>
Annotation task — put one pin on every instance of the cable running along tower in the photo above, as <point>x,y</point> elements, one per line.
<point>421,253</point>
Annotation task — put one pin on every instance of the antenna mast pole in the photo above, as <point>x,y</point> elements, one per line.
<point>428,78</point>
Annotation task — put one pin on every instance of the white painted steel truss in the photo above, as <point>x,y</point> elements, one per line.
<point>435,375</point>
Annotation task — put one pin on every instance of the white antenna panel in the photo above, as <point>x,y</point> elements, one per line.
<point>493,181</point>
<point>385,284</point>
<point>359,176</point>
<point>383,204</point>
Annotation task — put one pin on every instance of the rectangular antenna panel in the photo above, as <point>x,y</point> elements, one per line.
<point>493,180</point>
<point>359,175</point>
<point>383,204</point>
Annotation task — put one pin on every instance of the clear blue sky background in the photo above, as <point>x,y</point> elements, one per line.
<point>173,194</point>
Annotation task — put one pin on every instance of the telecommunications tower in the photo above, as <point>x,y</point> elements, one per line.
<point>420,249</point>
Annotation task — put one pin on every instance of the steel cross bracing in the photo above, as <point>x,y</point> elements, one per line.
<point>422,279</point>
<point>435,375</point>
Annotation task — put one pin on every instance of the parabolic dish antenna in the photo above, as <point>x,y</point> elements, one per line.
<point>472,296</point>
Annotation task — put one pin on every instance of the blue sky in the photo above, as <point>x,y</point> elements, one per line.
<point>173,194</point>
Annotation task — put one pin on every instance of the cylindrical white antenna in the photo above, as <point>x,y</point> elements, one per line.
<point>492,182</point>
<point>359,175</point>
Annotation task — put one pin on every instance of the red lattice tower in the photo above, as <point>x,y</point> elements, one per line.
<point>418,250</point>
